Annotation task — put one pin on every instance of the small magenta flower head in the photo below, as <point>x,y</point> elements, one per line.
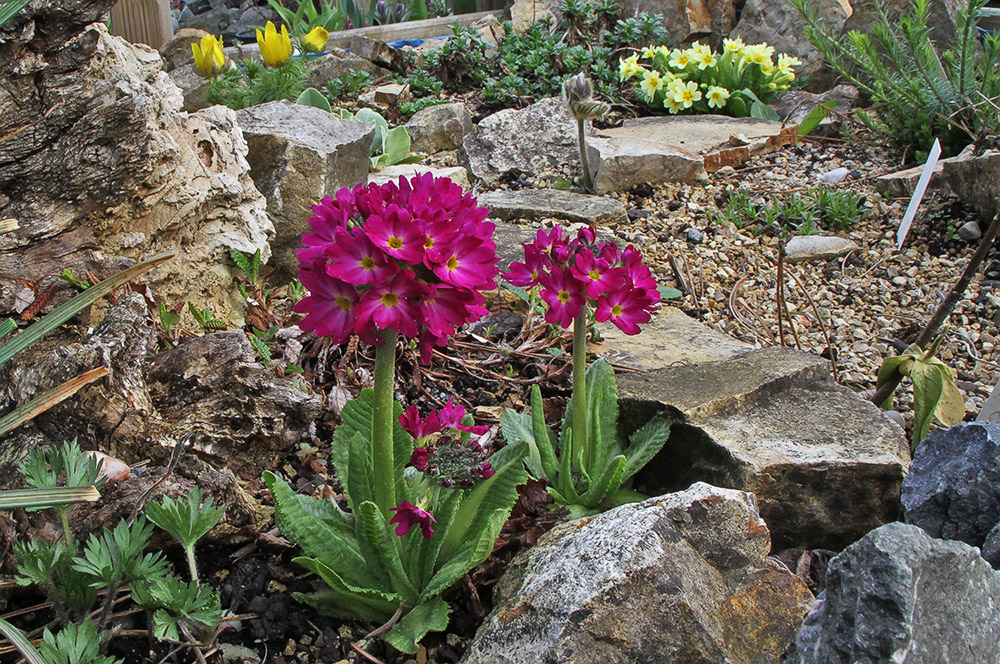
<point>585,272</point>
<point>408,515</point>
<point>445,448</point>
<point>412,256</point>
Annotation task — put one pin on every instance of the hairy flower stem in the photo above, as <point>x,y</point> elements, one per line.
<point>192,566</point>
<point>382,444</point>
<point>588,180</point>
<point>580,383</point>
<point>67,534</point>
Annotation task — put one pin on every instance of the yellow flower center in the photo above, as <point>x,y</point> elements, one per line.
<point>564,296</point>
<point>390,299</point>
<point>616,310</point>
<point>343,303</point>
<point>367,263</point>
<point>594,275</point>
<point>395,242</point>
<point>452,263</point>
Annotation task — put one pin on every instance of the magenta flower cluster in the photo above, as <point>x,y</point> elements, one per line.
<point>410,256</point>
<point>580,271</point>
<point>443,449</point>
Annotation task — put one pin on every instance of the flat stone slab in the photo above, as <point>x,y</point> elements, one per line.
<point>825,464</point>
<point>536,204</point>
<point>456,174</point>
<point>671,338</point>
<point>720,140</point>
<point>813,248</point>
<point>902,183</point>
<point>621,162</point>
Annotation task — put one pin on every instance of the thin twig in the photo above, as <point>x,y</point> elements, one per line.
<point>819,319</point>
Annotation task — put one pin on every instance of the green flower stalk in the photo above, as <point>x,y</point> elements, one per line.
<point>579,96</point>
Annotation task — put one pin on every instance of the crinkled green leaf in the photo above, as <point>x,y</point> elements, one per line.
<point>428,616</point>
<point>644,444</point>
<point>605,484</point>
<point>343,600</point>
<point>375,530</point>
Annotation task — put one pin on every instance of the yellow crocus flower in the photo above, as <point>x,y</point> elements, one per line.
<point>209,59</point>
<point>275,49</point>
<point>315,41</point>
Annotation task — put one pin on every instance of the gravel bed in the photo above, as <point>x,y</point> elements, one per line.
<point>853,308</point>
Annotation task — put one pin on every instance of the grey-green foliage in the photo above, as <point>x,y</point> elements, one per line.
<point>389,146</point>
<point>594,479</point>
<point>108,561</point>
<point>918,94</point>
<point>795,214</point>
<point>367,572</point>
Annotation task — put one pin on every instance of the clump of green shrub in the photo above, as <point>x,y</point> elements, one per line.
<point>917,93</point>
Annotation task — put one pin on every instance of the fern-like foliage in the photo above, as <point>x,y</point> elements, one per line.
<point>919,94</point>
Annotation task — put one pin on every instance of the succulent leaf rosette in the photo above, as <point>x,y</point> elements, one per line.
<point>699,80</point>
<point>411,256</point>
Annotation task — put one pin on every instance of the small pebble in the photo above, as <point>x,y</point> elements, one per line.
<point>695,236</point>
<point>970,231</point>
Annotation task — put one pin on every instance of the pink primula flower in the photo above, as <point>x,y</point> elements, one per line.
<point>417,427</point>
<point>626,309</point>
<point>410,256</point>
<point>564,294</point>
<point>408,515</point>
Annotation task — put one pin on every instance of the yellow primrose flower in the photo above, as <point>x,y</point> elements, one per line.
<point>315,41</point>
<point>765,49</point>
<point>209,59</point>
<point>717,96</point>
<point>735,46</point>
<point>648,53</point>
<point>767,69</point>
<point>651,84</point>
<point>755,54</point>
<point>786,62</point>
<point>679,59</point>
<point>671,104</point>
<point>698,49</point>
<point>686,94</point>
<point>275,49</point>
<point>628,67</point>
<point>663,50</point>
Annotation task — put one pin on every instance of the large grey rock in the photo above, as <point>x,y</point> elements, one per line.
<point>537,204</point>
<point>439,127</point>
<point>623,162</point>
<point>899,595</point>
<point>299,154</point>
<point>339,62</point>
<point>688,20</point>
<point>826,465</point>
<point>813,248</point>
<point>953,488</point>
<point>973,175</point>
<point>112,168</point>
<point>779,24</point>
<point>901,184</point>
<point>718,140</point>
<point>529,140</point>
<point>682,578</point>
<point>456,174</point>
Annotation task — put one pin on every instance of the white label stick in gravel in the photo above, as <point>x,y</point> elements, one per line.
<point>918,194</point>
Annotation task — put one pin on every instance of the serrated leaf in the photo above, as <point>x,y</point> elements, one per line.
<point>344,600</point>
<point>303,522</point>
<point>375,530</point>
<point>644,444</point>
<point>428,616</point>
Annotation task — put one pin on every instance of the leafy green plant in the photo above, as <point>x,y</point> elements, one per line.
<point>348,85</point>
<point>739,81</point>
<point>109,561</point>
<point>251,83</point>
<point>918,94</point>
<point>588,464</point>
<point>389,146</point>
<point>935,395</point>
<point>206,321</point>
<point>187,521</point>
<point>833,209</point>
<point>307,16</point>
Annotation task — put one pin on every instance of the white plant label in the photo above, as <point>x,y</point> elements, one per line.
<point>918,194</point>
<point>991,409</point>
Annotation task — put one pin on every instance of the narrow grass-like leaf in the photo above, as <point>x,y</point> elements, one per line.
<point>45,498</point>
<point>48,399</point>
<point>64,312</point>
<point>18,640</point>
